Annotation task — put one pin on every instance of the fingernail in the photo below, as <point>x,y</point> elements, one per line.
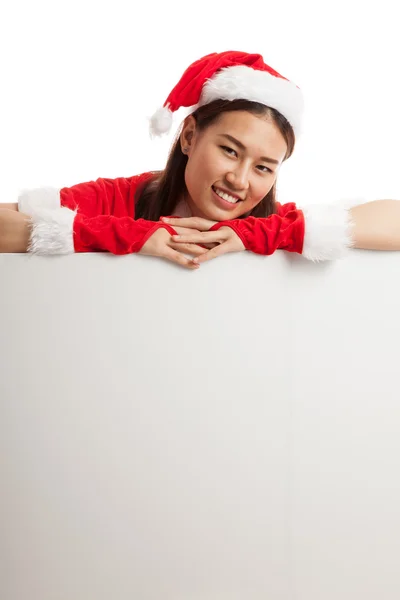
<point>196,261</point>
<point>176,237</point>
<point>164,219</point>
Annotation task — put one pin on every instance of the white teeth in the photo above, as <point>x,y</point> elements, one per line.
<point>226,197</point>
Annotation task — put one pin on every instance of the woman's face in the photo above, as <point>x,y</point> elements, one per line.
<point>229,170</point>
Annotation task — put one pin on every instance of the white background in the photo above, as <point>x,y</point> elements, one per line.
<point>80,78</point>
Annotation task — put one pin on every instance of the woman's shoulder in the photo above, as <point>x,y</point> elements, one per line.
<point>106,195</point>
<point>283,209</point>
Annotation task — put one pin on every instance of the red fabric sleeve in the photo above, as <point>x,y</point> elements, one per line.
<point>118,235</point>
<point>105,218</point>
<point>96,216</point>
<point>105,215</point>
<point>105,196</point>
<point>284,230</point>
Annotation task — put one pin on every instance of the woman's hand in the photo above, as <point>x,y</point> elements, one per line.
<point>15,230</point>
<point>190,225</point>
<point>220,242</point>
<point>161,244</point>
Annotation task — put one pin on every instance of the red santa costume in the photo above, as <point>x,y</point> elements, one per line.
<point>99,216</point>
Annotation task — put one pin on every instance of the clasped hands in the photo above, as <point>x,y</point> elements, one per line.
<point>193,237</point>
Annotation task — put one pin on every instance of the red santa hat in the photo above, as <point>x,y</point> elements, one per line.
<point>231,75</point>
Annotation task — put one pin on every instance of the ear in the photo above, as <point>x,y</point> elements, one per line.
<point>188,133</point>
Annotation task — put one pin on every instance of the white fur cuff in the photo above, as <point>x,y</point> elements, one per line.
<point>328,232</point>
<point>52,231</point>
<point>31,200</point>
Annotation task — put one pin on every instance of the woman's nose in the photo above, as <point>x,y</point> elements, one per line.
<point>239,178</point>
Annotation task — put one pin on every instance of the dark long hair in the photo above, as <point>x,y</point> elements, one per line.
<point>160,196</point>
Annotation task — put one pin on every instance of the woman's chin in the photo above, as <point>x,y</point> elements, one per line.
<point>215,209</point>
<point>212,212</point>
<point>222,215</point>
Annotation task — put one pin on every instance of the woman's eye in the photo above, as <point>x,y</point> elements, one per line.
<point>233,152</point>
<point>228,150</point>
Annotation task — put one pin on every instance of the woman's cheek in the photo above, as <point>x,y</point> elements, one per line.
<point>218,167</point>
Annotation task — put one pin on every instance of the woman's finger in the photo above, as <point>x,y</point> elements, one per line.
<point>190,222</point>
<point>217,251</point>
<point>184,230</point>
<point>206,237</point>
<point>179,258</point>
<point>188,248</point>
<point>209,246</point>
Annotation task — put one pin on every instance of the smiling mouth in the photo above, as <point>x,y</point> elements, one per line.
<point>225,196</point>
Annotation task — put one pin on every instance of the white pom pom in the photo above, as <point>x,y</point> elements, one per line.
<point>161,121</point>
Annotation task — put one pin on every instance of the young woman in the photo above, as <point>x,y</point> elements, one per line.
<point>217,193</point>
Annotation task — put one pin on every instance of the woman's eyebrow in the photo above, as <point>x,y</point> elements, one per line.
<point>243,147</point>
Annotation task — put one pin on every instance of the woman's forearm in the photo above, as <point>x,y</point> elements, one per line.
<point>377,225</point>
<point>10,205</point>
<point>15,230</point>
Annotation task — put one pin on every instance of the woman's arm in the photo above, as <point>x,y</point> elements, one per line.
<point>322,231</point>
<point>376,225</point>
<point>87,217</point>
<point>10,205</point>
<point>63,231</point>
<point>15,231</point>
